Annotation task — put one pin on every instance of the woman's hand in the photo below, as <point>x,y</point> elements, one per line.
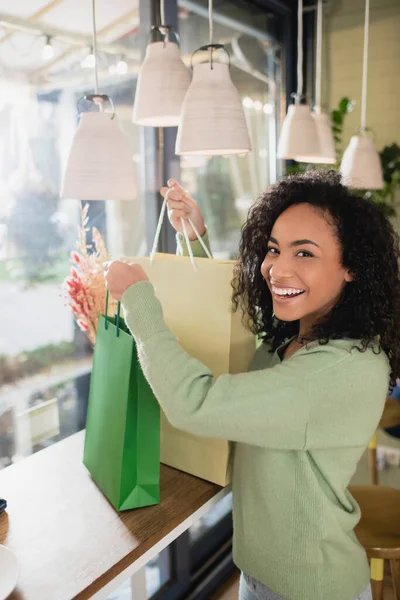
<point>120,276</point>
<point>181,205</point>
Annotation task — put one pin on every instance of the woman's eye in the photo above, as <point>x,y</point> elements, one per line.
<point>272,250</point>
<point>305,254</point>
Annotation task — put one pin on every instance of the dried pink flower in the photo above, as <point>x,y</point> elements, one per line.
<point>83,325</point>
<point>85,287</point>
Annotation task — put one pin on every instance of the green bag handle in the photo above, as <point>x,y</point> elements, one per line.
<point>118,315</point>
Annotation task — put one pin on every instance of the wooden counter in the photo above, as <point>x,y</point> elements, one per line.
<point>70,542</point>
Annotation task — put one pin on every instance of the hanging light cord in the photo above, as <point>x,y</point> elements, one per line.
<point>210,20</point>
<point>319,56</point>
<point>162,12</point>
<point>211,27</point>
<point>365,70</point>
<point>299,52</point>
<point>96,75</point>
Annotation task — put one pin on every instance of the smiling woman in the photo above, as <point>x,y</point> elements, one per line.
<point>318,278</point>
<point>310,233</point>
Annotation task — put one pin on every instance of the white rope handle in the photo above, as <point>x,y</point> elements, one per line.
<point>159,225</point>
<point>185,234</point>
<point>200,239</point>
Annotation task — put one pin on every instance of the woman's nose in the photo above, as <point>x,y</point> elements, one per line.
<point>280,268</point>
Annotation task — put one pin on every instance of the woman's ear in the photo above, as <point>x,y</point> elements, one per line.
<point>348,277</point>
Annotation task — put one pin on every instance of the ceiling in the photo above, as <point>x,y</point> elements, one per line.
<point>23,26</point>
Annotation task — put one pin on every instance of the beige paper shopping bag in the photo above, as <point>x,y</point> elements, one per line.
<point>197,308</point>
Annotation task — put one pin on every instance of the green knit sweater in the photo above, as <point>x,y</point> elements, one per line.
<point>300,426</point>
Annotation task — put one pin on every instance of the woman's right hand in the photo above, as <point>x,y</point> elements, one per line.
<point>181,205</point>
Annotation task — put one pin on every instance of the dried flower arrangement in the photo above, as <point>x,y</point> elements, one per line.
<point>85,288</point>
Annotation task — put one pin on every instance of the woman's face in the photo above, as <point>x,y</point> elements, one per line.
<point>303,267</point>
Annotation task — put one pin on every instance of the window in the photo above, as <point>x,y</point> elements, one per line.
<point>45,360</point>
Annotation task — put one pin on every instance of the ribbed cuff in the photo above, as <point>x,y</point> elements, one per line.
<point>143,311</point>
<point>196,247</point>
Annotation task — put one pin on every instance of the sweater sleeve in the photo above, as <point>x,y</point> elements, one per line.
<point>314,399</point>
<point>197,248</point>
<point>267,408</point>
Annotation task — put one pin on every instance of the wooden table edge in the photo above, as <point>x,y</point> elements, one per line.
<point>96,591</point>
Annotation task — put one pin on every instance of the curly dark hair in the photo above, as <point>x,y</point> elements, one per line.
<point>369,308</point>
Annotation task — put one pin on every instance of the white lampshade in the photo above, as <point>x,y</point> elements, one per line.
<point>99,165</point>
<point>162,84</point>
<point>212,120</point>
<point>327,153</point>
<point>361,166</point>
<point>299,136</point>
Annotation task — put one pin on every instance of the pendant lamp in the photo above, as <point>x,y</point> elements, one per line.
<point>361,166</point>
<point>99,165</point>
<point>327,152</point>
<point>299,136</point>
<point>162,83</point>
<point>212,119</point>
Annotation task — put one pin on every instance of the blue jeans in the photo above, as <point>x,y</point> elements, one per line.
<point>251,589</point>
<point>395,431</point>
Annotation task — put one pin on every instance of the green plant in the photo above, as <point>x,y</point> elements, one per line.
<point>385,199</point>
<point>338,115</point>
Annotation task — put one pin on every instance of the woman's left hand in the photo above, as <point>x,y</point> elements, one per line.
<point>120,276</point>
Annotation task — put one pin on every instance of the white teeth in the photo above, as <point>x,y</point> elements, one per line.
<point>286,291</point>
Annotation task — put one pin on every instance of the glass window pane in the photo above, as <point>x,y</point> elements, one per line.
<point>211,519</point>
<point>123,592</point>
<point>44,357</point>
<point>158,573</point>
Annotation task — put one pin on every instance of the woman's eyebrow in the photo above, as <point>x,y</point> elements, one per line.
<point>301,242</point>
<point>295,243</point>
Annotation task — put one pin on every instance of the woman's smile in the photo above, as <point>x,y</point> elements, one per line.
<point>285,294</point>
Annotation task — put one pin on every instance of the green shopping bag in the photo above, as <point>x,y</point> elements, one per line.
<point>122,443</point>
